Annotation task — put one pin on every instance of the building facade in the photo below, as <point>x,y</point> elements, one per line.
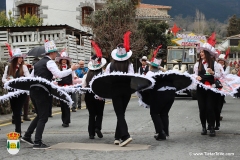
<point>232,41</point>
<point>153,12</point>
<point>63,17</point>
<point>56,12</point>
<point>64,21</point>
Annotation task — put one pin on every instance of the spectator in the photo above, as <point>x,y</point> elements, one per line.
<point>236,69</point>
<point>144,68</point>
<point>80,72</point>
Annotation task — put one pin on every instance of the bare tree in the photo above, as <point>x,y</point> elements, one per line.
<point>219,28</point>
<point>110,24</point>
<point>200,22</point>
<point>195,25</point>
<point>184,23</point>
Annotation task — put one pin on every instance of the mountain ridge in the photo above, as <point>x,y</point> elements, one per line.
<point>209,8</point>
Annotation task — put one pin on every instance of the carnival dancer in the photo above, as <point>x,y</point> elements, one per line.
<point>64,64</point>
<point>121,91</point>
<point>118,83</point>
<point>94,105</point>
<point>16,69</point>
<point>206,70</point>
<point>222,60</point>
<point>144,68</point>
<point>46,68</point>
<point>161,97</point>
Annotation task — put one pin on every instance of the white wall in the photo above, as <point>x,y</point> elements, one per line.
<point>63,12</point>
<point>9,5</point>
<point>224,45</point>
<point>59,11</point>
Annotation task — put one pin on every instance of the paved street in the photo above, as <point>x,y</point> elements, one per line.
<point>185,141</point>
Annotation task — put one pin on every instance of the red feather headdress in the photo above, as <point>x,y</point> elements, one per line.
<point>219,52</point>
<point>212,39</point>
<point>155,52</point>
<point>227,53</point>
<point>97,50</point>
<point>9,49</point>
<point>126,39</point>
<point>63,50</point>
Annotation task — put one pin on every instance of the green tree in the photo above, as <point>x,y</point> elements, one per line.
<point>233,26</point>
<point>155,34</point>
<point>3,19</point>
<point>11,20</point>
<point>27,20</point>
<point>110,24</point>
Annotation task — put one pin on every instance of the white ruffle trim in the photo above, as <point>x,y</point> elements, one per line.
<point>9,95</point>
<point>233,81</point>
<point>72,88</point>
<point>210,88</point>
<point>229,80</point>
<point>122,74</point>
<point>166,88</point>
<point>43,80</point>
<point>191,86</point>
<point>140,102</point>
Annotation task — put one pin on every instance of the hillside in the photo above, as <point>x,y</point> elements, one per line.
<point>216,9</point>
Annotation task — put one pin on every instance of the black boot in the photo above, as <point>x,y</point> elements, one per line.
<point>13,122</point>
<point>221,117</point>
<point>161,136</point>
<point>204,130</point>
<point>26,118</point>
<point>165,122</point>
<point>217,126</point>
<point>212,132</point>
<point>208,128</point>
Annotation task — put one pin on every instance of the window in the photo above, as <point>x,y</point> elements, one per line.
<point>232,55</point>
<point>32,9</point>
<point>173,55</point>
<point>86,12</point>
<point>234,42</point>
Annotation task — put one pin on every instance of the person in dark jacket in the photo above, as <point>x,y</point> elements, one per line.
<point>39,93</point>
<point>144,68</point>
